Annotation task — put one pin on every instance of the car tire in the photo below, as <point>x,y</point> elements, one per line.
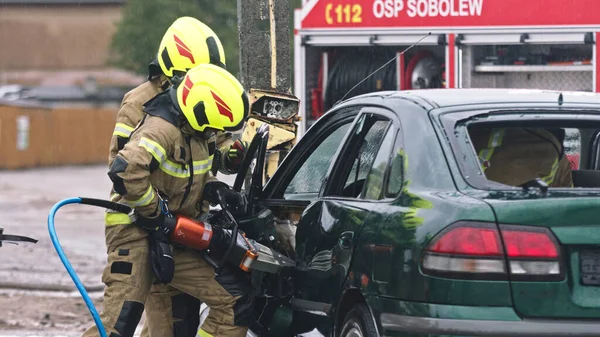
<point>359,323</point>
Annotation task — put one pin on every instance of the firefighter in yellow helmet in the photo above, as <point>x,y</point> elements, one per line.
<point>165,165</point>
<point>186,43</point>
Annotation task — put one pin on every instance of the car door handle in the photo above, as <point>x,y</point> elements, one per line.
<point>346,239</point>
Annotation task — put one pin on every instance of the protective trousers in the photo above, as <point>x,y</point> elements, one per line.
<point>175,309</point>
<point>129,279</point>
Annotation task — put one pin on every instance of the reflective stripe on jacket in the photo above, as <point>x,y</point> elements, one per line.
<point>131,113</point>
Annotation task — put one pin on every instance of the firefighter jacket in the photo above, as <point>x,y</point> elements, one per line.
<point>131,113</point>
<point>515,156</point>
<point>162,157</point>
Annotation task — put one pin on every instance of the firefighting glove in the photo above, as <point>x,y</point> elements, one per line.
<point>217,191</point>
<point>150,224</point>
<point>161,223</point>
<point>164,222</point>
<point>235,154</point>
<point>236,202</point>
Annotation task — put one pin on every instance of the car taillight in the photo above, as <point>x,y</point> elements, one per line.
<point>532,252</point>
<point>478,250</point>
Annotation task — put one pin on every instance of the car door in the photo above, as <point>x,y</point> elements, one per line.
<point>337,209</point>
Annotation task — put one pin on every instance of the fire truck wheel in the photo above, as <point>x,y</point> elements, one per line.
<point>359,323</point>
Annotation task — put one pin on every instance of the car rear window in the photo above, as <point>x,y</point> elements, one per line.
<point>515,156</point>
<point>502,152</point>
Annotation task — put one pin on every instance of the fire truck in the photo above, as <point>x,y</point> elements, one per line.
<point>541,44</point>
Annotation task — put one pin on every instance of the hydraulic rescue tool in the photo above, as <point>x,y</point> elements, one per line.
<point>217,238</point>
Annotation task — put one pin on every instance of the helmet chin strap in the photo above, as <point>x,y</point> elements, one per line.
<point>187,129</point>
<point>176,80</point>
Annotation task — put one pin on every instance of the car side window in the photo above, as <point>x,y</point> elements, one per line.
<point>359,156</point>
<point>311,175</point>
<point>396,175</point>
<point>374,184</point>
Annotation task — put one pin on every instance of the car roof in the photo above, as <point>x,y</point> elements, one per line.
<point>441,98</point>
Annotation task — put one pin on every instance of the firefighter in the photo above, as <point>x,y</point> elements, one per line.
<point>202,45</point>
<point>165,166</point>
<point>515,156</point>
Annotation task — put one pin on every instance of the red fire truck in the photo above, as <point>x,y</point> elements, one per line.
<point>541,44</point>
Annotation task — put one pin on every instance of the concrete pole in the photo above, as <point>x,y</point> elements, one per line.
<point>264,32</point>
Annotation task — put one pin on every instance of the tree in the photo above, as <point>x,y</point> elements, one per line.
<point>144,22</point>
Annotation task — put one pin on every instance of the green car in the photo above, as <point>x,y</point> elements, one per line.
<point>401,233</point>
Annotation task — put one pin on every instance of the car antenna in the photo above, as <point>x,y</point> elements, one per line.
<point>378,69</point>
<point>560,99</point>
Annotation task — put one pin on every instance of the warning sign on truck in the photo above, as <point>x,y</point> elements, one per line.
<point>449,13</point>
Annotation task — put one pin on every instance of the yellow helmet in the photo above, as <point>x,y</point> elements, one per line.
<point>210,96</point>
<point>187,43</point>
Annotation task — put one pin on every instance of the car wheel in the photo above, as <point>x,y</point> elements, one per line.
<point>359,323</point>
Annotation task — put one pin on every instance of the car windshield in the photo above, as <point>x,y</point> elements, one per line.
<point>508,151</point>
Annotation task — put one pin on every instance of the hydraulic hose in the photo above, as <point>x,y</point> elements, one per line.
<point>63,257</point>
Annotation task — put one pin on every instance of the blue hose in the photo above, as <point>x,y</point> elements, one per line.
<point>67,264</point>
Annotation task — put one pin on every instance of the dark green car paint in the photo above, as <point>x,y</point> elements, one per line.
<point>406,230</point>
<point>352,250</point>
<point>325,247</point>
<point>555,211</point>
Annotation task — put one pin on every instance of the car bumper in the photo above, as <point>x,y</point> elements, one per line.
<point>488,328</point>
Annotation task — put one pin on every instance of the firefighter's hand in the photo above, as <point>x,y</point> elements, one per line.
<point>237,151</point>
<point>163,223</point>
<point>217,193</point>
<point>150,224</point>
<point>236,203</point>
